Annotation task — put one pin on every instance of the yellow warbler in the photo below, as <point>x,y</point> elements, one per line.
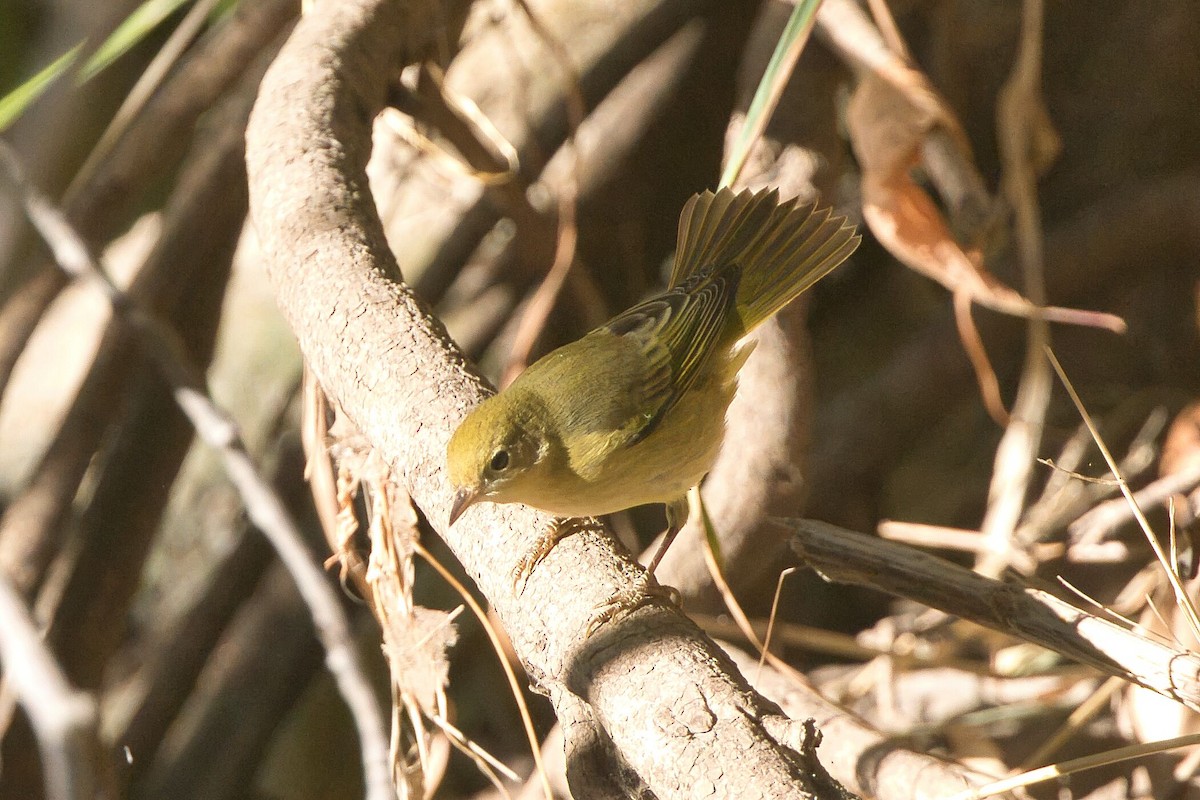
<point>634,412</point>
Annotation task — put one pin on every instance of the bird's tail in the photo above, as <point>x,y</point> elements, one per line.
<point>781,249</point>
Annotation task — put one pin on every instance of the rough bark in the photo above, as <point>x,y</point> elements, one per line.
<point>668,705</point>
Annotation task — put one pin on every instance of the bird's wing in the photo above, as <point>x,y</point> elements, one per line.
<point>678,332</point>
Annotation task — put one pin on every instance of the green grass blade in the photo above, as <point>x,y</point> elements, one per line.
<point>766,96</point>
<point>13,104</point>
<point>144,19</point>
<point>132,30</point>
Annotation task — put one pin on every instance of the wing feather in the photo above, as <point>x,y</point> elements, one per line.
<point>678,332</point>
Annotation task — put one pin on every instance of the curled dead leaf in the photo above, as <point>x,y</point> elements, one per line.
<point>890,114</point>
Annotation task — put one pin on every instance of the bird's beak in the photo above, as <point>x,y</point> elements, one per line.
<point>464,498</point>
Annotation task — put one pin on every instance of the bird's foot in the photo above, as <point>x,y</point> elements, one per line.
<point>646,590</point>
<point>558,530</point>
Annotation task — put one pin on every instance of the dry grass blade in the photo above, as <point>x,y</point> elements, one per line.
<point>1181,594</point>
<point>1095,703</point>
<point>1101,609</point>
<point>712,560</point>
<point>1065,768</point>
<point>513,684</point>
<point>774,611</point>
<point>840,645</point>
<point>492,767</point>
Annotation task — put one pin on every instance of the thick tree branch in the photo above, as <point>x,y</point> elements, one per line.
<point>870,762</point>
<point>1031,614</point>
<point>670,705</point>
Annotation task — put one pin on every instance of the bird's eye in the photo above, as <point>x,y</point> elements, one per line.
<point>499,461</point>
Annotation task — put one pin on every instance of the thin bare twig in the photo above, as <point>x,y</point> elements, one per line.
<point>946,538</point>
<point>1102,520</point>
<point>543,300</point>
<point>1022,119</point>
<point>888,28</point>
<point>985,374</point>
<point>217,429</point>
<point>63,717</point>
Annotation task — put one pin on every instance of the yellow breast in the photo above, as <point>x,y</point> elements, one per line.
<point>605,475</point>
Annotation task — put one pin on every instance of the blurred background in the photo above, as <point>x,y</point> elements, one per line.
<point>157,594</point>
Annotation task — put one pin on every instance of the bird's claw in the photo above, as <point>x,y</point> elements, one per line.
<point>646,590</point>
<point>559,529</point>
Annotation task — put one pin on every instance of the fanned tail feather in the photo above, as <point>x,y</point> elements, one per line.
<point>781,250</point>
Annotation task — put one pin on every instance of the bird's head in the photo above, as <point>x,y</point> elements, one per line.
<point>494,454</point>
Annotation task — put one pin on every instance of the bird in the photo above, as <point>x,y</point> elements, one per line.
<point>633,413</point>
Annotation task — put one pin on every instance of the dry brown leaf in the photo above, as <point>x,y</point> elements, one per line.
<point>1181,447</point>
<point>416,640</point>
<point>1181,457</point>
<point>889,116</point>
